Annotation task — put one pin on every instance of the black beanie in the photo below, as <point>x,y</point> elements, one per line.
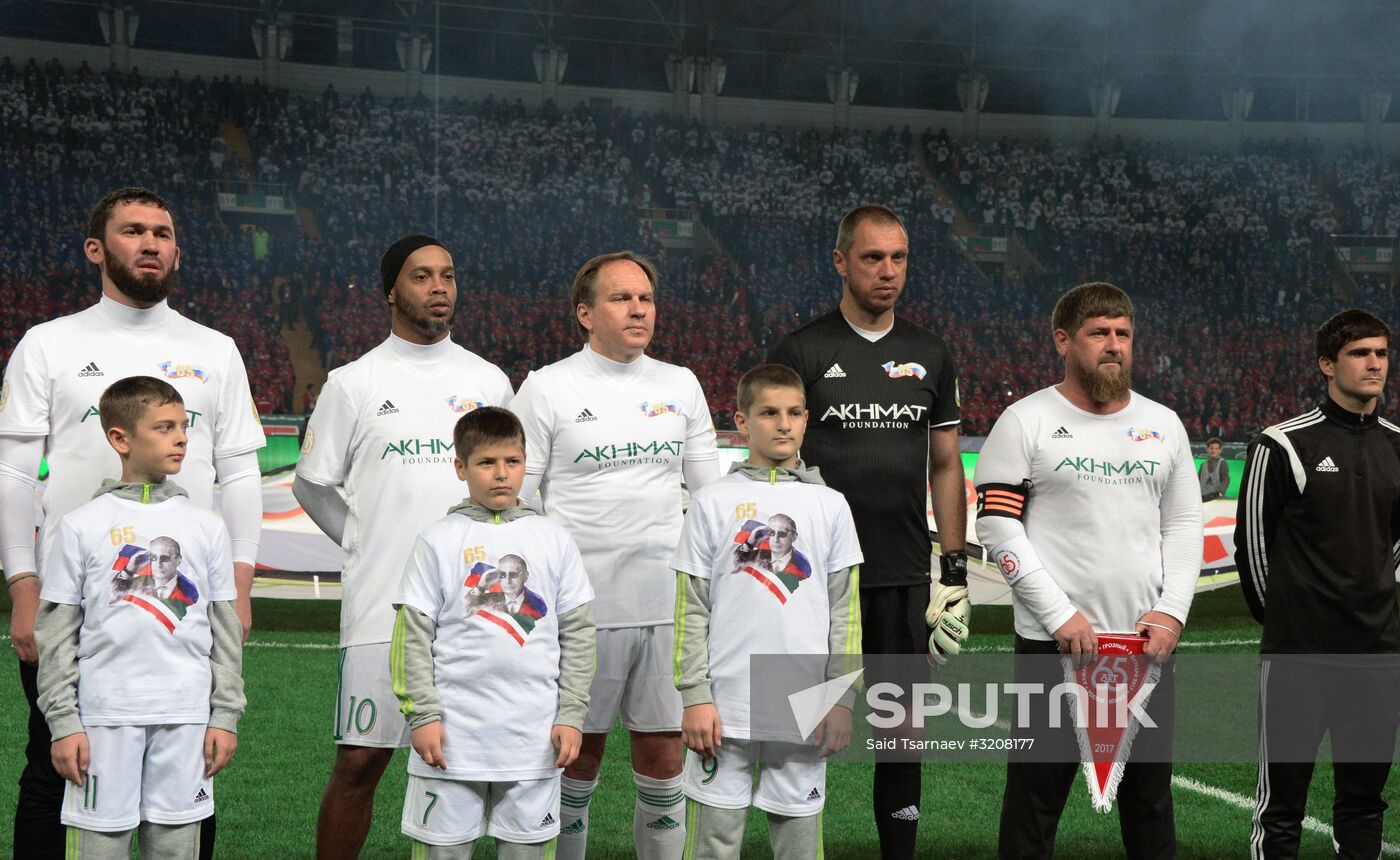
<point>392,262</point>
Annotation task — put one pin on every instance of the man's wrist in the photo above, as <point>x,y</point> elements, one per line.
<point>953,568</point>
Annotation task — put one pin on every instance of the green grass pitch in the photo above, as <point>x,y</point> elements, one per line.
<point>267,799</point>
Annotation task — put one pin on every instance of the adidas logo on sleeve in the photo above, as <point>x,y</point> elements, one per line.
<point>90,370</point>
<point>388,408</point>
<point>1327,465</point>
<point>834,372</point>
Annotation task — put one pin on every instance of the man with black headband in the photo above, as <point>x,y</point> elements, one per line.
<point>383,428</point>
<point>48,405</point>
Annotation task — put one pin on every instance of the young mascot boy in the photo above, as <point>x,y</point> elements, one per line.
<point>491,659</point>
<point>768,563</point>
<point>140,655</point>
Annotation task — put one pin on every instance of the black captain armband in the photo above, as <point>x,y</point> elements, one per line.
<point>1003,500</point>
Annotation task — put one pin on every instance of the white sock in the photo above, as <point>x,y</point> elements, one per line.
<point>658,819</point>
<point>574,797</point>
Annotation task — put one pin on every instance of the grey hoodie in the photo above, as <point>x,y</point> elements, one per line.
<point>414,633</point>
<point>693,608</point>
<point>56,633</point>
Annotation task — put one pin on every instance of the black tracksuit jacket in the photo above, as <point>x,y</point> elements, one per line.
<point>1317,541</point>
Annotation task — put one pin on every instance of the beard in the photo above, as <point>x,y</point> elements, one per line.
<point>145,289</point>
<point>1105,387</point>
<point>426,325</point>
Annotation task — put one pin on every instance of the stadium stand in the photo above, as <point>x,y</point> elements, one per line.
<point>1226,255</point>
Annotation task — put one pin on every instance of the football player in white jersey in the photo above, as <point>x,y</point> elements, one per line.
<point>382,427</point>
<point>610,431</point>
<point>48,407</point>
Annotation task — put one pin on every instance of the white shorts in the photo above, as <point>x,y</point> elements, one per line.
<point>449,812</point>
<point>366,710</point>
<point>791,777</point>
<point>634,680</point>
<point>140,773</point>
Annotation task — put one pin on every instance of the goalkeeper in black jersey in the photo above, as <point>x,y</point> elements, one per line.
<point>883,397</point>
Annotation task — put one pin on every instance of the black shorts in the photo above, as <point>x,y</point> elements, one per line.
<point>892,619</point>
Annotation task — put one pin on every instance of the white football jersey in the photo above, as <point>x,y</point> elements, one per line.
<point>495,655</point>
<point>1114,512</point>
<point>766,549</point>
<point>383,428</point>
<point>143,649</point>
<point>610,440</point>
<point>60,368</point>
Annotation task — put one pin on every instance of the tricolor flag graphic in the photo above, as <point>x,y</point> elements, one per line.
<point>651,410</point>
<point>753,535</point>
<point>184,371</point>
<point>134,563</point>
<point>506,622</point>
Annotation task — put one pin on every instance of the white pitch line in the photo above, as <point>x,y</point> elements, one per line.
<point>1242,802</point>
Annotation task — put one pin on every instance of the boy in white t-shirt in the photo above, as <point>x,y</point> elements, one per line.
<point>768,563</point>
<point>140,653</point>
<point>492,658</point>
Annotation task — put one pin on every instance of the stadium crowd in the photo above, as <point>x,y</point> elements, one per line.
<point>1225,255</point>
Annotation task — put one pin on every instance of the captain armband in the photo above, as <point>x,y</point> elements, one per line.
<point>1003,500</point>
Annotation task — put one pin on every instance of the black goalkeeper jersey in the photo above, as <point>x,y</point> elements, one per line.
<point>871,406</point>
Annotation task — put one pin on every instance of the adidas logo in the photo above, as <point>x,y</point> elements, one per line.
<point>201,797</point>
<point>1062,433</point>
<point>585,415</point>
<point>548,819</point>
<point>834,372</point>
<point>1327,465</point>
<point>576,827</point>
<point>814,794</point>
<point>908,813</point>
<point>665,822</point>
<point>388,408</point>
<point>90,370</point>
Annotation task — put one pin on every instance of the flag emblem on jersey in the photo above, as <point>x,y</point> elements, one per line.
<point>1121,672</point>
<point>1327,465</point>
<point>753,555</point>
<point>1142,434</point>
<point>463,404</point>
<point>908,368</point>
<point>651,410</point>
<point>183,371</point>
<point>488,600</point>
<point>134,582</point>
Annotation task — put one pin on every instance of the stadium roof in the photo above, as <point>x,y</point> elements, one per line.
<point>1304,59</point>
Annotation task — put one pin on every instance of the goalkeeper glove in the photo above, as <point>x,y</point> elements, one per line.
<point>948,609</point>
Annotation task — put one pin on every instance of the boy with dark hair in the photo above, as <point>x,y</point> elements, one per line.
<point>139,678</point>
<point>494,686</point>
<point>768,563</point>
<point>1315,545</point>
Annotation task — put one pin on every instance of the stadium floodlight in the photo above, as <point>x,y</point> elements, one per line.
<point>841,84</point>
<point>1375,105</point>
<point>972,91</point>
<point>1103,98</point>
<point>1237,101</point>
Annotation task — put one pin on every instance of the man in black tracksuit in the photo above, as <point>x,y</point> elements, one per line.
<point>1319,521</point>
